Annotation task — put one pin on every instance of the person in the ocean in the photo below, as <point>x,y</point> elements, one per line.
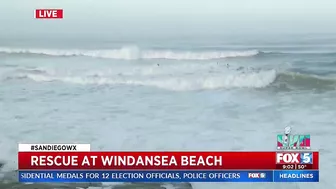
<point>158,64</point>
<point>240,68</point>
<point>227,65</point>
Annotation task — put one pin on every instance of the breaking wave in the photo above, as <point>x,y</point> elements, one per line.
<point>179,79</point>
<point>183,82</point>
<point>253,80</point>
<point>133,53</point>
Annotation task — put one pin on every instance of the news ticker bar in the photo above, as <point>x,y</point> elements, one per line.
<point>169,176</point>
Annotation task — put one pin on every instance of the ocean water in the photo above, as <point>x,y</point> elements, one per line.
<point>192,93</point>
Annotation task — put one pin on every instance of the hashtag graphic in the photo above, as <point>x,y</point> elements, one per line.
<point>32,147</point>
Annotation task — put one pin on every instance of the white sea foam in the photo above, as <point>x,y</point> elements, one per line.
<point>133,53</point>
<point>176,83</point>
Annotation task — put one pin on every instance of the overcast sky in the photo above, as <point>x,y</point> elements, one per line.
<point>169,16</point>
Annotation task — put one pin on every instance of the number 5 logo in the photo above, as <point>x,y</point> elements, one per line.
<point>306,158</point>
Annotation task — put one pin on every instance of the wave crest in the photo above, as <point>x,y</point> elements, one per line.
<point>176,77</point>
<point>133,53</point>
<point>176,83</point>
<point>301,81</point>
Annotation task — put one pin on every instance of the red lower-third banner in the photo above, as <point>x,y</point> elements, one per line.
<point>168,160</point>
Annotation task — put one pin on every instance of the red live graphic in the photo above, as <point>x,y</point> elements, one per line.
<point>49,13</point>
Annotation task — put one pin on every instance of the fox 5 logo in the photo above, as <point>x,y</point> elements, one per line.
<point>306,158</point>
<point>294,158</point>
